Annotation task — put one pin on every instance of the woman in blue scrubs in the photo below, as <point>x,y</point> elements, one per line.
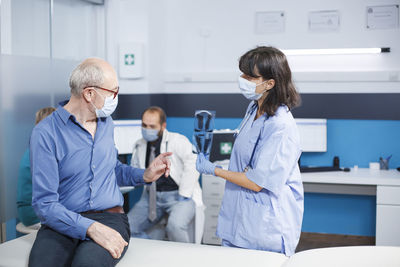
<point>262,207</point>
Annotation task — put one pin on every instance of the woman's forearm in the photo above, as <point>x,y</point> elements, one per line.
<point>238,178</point>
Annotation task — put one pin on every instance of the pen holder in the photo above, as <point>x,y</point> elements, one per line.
<point>384,164</point>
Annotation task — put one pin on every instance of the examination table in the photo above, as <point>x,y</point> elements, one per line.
<point>154,253</point>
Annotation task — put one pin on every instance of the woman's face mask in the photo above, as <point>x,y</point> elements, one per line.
<point>248,89</point>
<point>110,104</point>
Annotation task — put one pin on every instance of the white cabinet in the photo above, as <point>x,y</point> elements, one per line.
<point>213,191</point>
<point>388,216</point>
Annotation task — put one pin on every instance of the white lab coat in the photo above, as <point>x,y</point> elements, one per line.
<point>183,163</point>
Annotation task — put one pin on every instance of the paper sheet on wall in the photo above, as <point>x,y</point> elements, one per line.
<point>383,17</point>
<point>324,20</point>
<point>126,133</point>
<point>270,22</point>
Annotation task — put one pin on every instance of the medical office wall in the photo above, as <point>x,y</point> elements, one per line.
<point>194,46</point>
<point>191,51</point>
<point>191,56</point>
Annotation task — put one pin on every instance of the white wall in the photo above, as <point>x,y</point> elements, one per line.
<point>77,29</point>
<point>194,46</point>
<point>30,28</point>
<point>138,21</point>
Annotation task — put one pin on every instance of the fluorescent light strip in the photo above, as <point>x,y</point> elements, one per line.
<point>335,51</point>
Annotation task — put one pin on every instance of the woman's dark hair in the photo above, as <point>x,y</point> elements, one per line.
<point>270,63</point>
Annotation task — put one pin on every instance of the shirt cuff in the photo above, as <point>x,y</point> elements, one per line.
<point>253,175</point>
<point>84,224</point>
<point>137,175</point>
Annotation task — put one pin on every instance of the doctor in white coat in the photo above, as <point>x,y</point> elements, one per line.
<point>176,195</point>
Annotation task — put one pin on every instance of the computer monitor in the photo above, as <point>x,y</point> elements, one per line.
<point>222,145</point>
<point>313,134</point>
<point>126,133</point>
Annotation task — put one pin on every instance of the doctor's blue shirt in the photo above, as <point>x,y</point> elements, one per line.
<point>74,173</point>
<point>270,219</point>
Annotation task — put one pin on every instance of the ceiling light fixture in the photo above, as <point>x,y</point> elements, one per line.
<point>335,51</point>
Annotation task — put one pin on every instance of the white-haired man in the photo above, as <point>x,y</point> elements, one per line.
<point>76,174</point>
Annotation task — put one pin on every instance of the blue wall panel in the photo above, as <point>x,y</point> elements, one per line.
<point>358,142</point>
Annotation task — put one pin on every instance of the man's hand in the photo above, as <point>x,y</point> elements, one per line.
<point>160,165</point>
<point>108,238</point>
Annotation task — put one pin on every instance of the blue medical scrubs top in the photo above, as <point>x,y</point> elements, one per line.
<point>270,219</point>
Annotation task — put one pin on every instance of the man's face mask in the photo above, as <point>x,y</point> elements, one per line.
<point>150,135</point>
<point>110,104</point>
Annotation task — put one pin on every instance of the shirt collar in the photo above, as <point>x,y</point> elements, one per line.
<point>62,112</point>
<point>65,115</point>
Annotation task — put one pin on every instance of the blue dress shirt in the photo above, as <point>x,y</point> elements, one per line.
<point>270,219</point>
<point>74,173</point>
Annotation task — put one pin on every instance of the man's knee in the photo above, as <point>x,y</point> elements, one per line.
<point>52,249</point>
<point>137,224</point>
<point>176,224</point>
<point>90,260</point>
<point>89,253</point>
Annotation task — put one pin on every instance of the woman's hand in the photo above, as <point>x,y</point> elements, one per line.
<point>203,165</point>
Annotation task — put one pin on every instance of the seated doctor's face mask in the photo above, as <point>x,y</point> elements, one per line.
<point>248,88</point>
<point>150,135</point>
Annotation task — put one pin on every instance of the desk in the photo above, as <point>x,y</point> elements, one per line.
<point>385,184</point>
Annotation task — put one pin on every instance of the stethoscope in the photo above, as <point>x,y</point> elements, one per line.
<point>249,114</point>
<point>245,120</point>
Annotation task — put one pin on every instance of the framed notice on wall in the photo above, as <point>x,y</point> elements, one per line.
<point>324,21</point>
<point>270,22</point>
<point>382,17</point>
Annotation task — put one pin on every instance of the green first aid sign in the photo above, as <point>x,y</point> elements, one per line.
<point>225,148</point>
<point>129,59</point>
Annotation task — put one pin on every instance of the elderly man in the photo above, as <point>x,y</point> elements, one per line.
<point>76,174</point>
<point>176,195</point>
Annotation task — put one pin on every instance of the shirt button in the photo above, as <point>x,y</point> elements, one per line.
<point>91,202</point>
<point>94,166</point>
